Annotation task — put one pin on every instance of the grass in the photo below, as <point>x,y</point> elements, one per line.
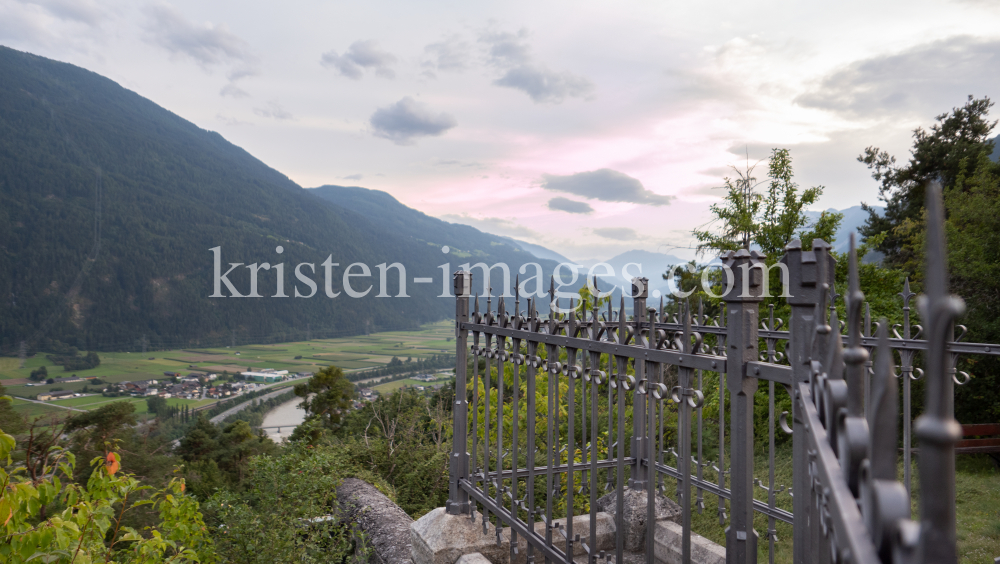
<point>390,387</point>
<point>977,487</point>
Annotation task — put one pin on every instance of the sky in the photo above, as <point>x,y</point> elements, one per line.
<point>591,128</point>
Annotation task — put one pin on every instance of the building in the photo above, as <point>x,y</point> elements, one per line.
<point>46,396</point>
<point>265,375</point>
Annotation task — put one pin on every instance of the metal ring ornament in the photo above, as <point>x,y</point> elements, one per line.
<point>640,386</point>
<point>965,375</point>
<point>517,358</point>
<point>534,361</point>
<point>659,390</point>
<point>626,381</point>
<point>555,367</point>
<point>597,376</point>
<point>913,375</point>
<point>783,423</point>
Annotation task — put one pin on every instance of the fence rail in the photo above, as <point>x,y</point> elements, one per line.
<point>558,412</point>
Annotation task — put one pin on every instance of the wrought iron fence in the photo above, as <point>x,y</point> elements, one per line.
<point>612,386</point>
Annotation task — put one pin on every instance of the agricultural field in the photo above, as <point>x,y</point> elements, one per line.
<point>390,387</point>
<point>349,353</point>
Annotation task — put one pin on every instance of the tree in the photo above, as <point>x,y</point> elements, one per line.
<point>958,140</point>
<point>39,374</point>
<point>766,220</point>
<point>331,395</point>
<point>10,421</point>
<point>156,405</point>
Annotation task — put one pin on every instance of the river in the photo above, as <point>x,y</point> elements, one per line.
<point>282,420</point>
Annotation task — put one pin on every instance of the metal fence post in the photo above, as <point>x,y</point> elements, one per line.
<point>458,499</point>
<point>809,273</point>
<point>640,438</point>
<point>741,299</point>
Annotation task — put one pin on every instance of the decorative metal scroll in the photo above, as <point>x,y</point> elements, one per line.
<point>862,512</point>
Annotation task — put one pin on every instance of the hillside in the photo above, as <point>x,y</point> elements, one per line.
<point>109,205</point>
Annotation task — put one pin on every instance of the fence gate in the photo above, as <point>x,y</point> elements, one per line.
<point>579,408</point>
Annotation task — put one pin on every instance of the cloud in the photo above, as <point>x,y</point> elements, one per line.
<point>230,120</point>
<point>495,225</point>
<point>571,206</point>
<point>208,45</point>
<point>919,80</point>
<point>273,110</point>
<point>233,91</point>
<point>617,233</point>
<point>604,184</point>
<point>353,177</point>
<point>544,85</point>
<point>450,54</point>
<point>83,11</point>
<point>359,56</point>
<point>506,49</point>
<point>511,55</point>
<point>408,119</point>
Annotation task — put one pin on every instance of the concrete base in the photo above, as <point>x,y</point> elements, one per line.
<point>634,514</point>
<point>439,538</point>
<point>474,558</point>
<point>667,546</point>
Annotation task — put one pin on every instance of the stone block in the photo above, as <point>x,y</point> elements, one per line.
<point>439,538</point>
<point>474,558</point>
<point>634,514</point>
<point>667,546</point>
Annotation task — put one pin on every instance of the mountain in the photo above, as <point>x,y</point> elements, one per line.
<point>854,218</point>
<point>539,251</point>
<point>996,149</point>
<point>466,245</point>
<point>110,206</point>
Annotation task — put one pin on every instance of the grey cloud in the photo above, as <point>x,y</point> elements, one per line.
<point>83,11</point>
<point>617,233</point>
<point>407,119</point>
<point>604,184</point>
<point>273,110</point>
<point>505,48</point>
<point>511,54</point>
<point>450,54</point>
<point>920,80</point>
<point>353,177</point>
<point>544,85</point>
<point>495,225</point>
<point>207,44</point>
<point>571,206</point>
<point>359,56</point>
<point>233,91</point>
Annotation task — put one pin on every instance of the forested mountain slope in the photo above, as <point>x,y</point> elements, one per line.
<point>109,205</point>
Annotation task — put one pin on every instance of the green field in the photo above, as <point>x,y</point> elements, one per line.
<point>349,353</point>
<point>389,387</point>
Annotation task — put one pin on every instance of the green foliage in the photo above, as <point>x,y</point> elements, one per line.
<point>90,526</point>
<point>223,454</point>
<point>330,393</point>
<point>956,141</point>
<point>76,362</point>
<point>767,220</point>
<point>282,514</point>
<point>39,374</point>
<point>10,420</point>
<point>405,439</point>
<point>156,405</point>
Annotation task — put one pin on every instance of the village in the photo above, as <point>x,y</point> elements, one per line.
<point>192,386</point>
